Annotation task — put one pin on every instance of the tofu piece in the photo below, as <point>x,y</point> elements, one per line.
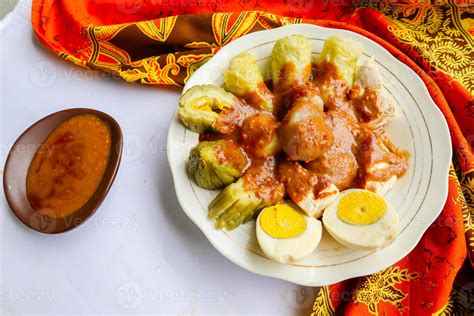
<point>368,76</point>
<point>380,187</point>
<point>384,161</point>
<point>387,108</point>
<point>314,205</point>
<point>301,185</point>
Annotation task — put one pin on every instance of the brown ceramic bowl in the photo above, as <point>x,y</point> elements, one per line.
<point>20,157</point>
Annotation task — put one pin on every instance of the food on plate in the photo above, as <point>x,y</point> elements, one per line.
<point>200,107</point>
<point>304,132</point>
<point>215,164</point>
<point>69,166</point>
<point>321,139</point>
<point>343,54</point>
<point>306,93</point>
<point>244,79</point>
<point>383,163</point>
<point>259,135</point>
<point>305,189</point>
<point>343,153</point>
<point>362,220</point>
<point>334,72</point>
<point>234,206</point>
<point>291,62</point>
<point>285,234</point>
<point>374,105</point>
<point>239,201</point>
<point>368,75</point>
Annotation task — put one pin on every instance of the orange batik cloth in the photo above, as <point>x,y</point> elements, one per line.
<point>164,42</point>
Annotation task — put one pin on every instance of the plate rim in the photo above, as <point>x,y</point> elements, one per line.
<point>442,138</point>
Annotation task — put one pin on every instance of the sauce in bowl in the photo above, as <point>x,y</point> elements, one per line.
<point>69,166</point>
<point>61,168</point>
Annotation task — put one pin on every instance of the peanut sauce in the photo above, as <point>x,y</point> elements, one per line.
<point>305,139</point>
<point>341,154</point>
<point>367,105</point>
<point>288,77</point>
<point>257,132</point>
<point>372,152</point>
<point>298,180</point>
<point>69,166</point>
<point>347,162</point>
<point>262,179</point>
<point>231,119</point>
<point>232,155</point>
<point>261,94</point>
<point>333,90</point>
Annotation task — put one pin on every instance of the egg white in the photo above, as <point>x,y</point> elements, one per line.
<point>292,249</point>
<point>361,237</point>
<point>314,205</point>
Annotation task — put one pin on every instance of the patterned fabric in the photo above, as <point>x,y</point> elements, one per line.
<point>163,42</point>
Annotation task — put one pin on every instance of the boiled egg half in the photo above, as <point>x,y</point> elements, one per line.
<point>360,219</point>
<point>285,234</point>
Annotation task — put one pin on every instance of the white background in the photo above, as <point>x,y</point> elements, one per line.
<point>139,253</point>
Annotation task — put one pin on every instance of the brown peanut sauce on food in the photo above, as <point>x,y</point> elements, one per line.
<point>339,165</point>
<point>231,155</point>
<point>257,132</point>
<point>288,78</point>
<point>260,94</point>
<point>262,178</point>
<point>358,154</point>
<point>231,119</point>
<point>333,90</point>
<point>372,152</point>
<point>366,105</point>
<point>302,180</point>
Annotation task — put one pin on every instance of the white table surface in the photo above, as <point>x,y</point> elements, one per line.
<point>139,253</point>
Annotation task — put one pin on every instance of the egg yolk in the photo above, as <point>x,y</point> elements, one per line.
<point>282,221</point>
<point>361,208</point>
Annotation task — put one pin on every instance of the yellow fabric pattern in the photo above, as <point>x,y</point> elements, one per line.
<point>436,31</point>
<point>230,26</point>
<point>322,304</point>
<point>158,30</point>
<point>381,287</point>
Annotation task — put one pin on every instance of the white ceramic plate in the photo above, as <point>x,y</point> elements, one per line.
<point>418,197</point>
